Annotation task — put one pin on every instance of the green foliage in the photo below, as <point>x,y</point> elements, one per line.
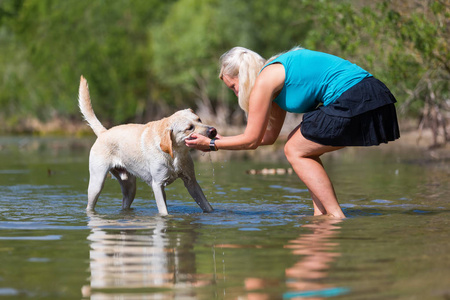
<point>146,58</point>
<point>54,42</point>
<point>185,47</point>
<point>404,43</point>
<point>195,33</point>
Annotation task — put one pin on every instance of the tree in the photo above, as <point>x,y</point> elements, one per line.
<point>49,44</point>
<point>144,59</point>
<point>188,44</point>
<point>421,29</point>
<point>404,43</point>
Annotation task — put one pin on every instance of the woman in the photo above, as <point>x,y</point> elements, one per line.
<point>344,105</point>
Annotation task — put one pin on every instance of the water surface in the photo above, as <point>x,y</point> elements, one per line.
<point>260,242</point>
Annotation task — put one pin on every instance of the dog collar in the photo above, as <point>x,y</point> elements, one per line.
<point>212,145</point>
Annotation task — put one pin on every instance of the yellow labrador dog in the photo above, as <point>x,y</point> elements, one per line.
<point>154,152</point>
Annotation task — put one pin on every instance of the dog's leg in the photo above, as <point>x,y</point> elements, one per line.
<point>128,191</point>
<point>128,186</point>
<point>96,181</point>
<point>196,192</point>
<point>160,197</point>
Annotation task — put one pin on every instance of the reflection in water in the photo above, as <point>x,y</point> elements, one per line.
<point>135,254</point>
<point>317,250</point>
<point>140,259</point>
<point>305,279</point>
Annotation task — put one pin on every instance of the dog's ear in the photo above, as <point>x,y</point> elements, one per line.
<point>166,142</point>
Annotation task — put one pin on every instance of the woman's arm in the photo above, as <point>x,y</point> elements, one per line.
<point>267,85</point>
<point>276,121</point>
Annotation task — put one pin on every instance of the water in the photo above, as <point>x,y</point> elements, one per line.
<point>260,242</point>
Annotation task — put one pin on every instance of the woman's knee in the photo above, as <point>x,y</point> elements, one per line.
<point>296,146</point>
<point>287,151</point>
<point>295,150</point>
<point>291,151</point>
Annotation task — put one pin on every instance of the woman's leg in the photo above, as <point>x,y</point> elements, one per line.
<point>319,210</point>
<point>304,155</point>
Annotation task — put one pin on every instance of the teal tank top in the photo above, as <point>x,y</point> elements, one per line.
<point>314,78</point>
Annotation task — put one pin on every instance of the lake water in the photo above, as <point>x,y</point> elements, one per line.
<point>260,242</point>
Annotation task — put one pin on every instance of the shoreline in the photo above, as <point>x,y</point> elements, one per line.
<point>81,136</point>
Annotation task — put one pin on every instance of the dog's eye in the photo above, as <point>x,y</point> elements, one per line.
<point>199,120</point>
<point>191,127</point>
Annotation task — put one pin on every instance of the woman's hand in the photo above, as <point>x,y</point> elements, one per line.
<point>199,142</point>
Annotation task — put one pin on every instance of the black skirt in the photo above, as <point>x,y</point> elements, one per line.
<point>364,115</point>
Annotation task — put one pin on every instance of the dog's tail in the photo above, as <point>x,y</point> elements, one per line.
<point>84,102</point>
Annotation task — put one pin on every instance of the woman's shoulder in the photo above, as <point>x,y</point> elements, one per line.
<point>290,54</point>
<point>272,76</point>
<point>281,58</point>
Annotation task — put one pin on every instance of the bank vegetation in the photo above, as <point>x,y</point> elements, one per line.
<point>144,59</point>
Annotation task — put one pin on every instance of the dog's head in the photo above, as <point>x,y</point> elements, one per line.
<point>180,126</point>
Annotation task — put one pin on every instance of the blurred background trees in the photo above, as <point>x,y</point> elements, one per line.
<point>145,59</point>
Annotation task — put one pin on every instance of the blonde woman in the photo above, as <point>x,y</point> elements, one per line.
<point>344,105</point>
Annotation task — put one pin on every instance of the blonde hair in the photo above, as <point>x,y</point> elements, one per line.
<point>244,64</point>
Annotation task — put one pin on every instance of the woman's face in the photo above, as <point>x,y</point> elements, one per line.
<point>232,83</point>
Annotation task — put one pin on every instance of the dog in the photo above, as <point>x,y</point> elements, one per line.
<point>155,152</point>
